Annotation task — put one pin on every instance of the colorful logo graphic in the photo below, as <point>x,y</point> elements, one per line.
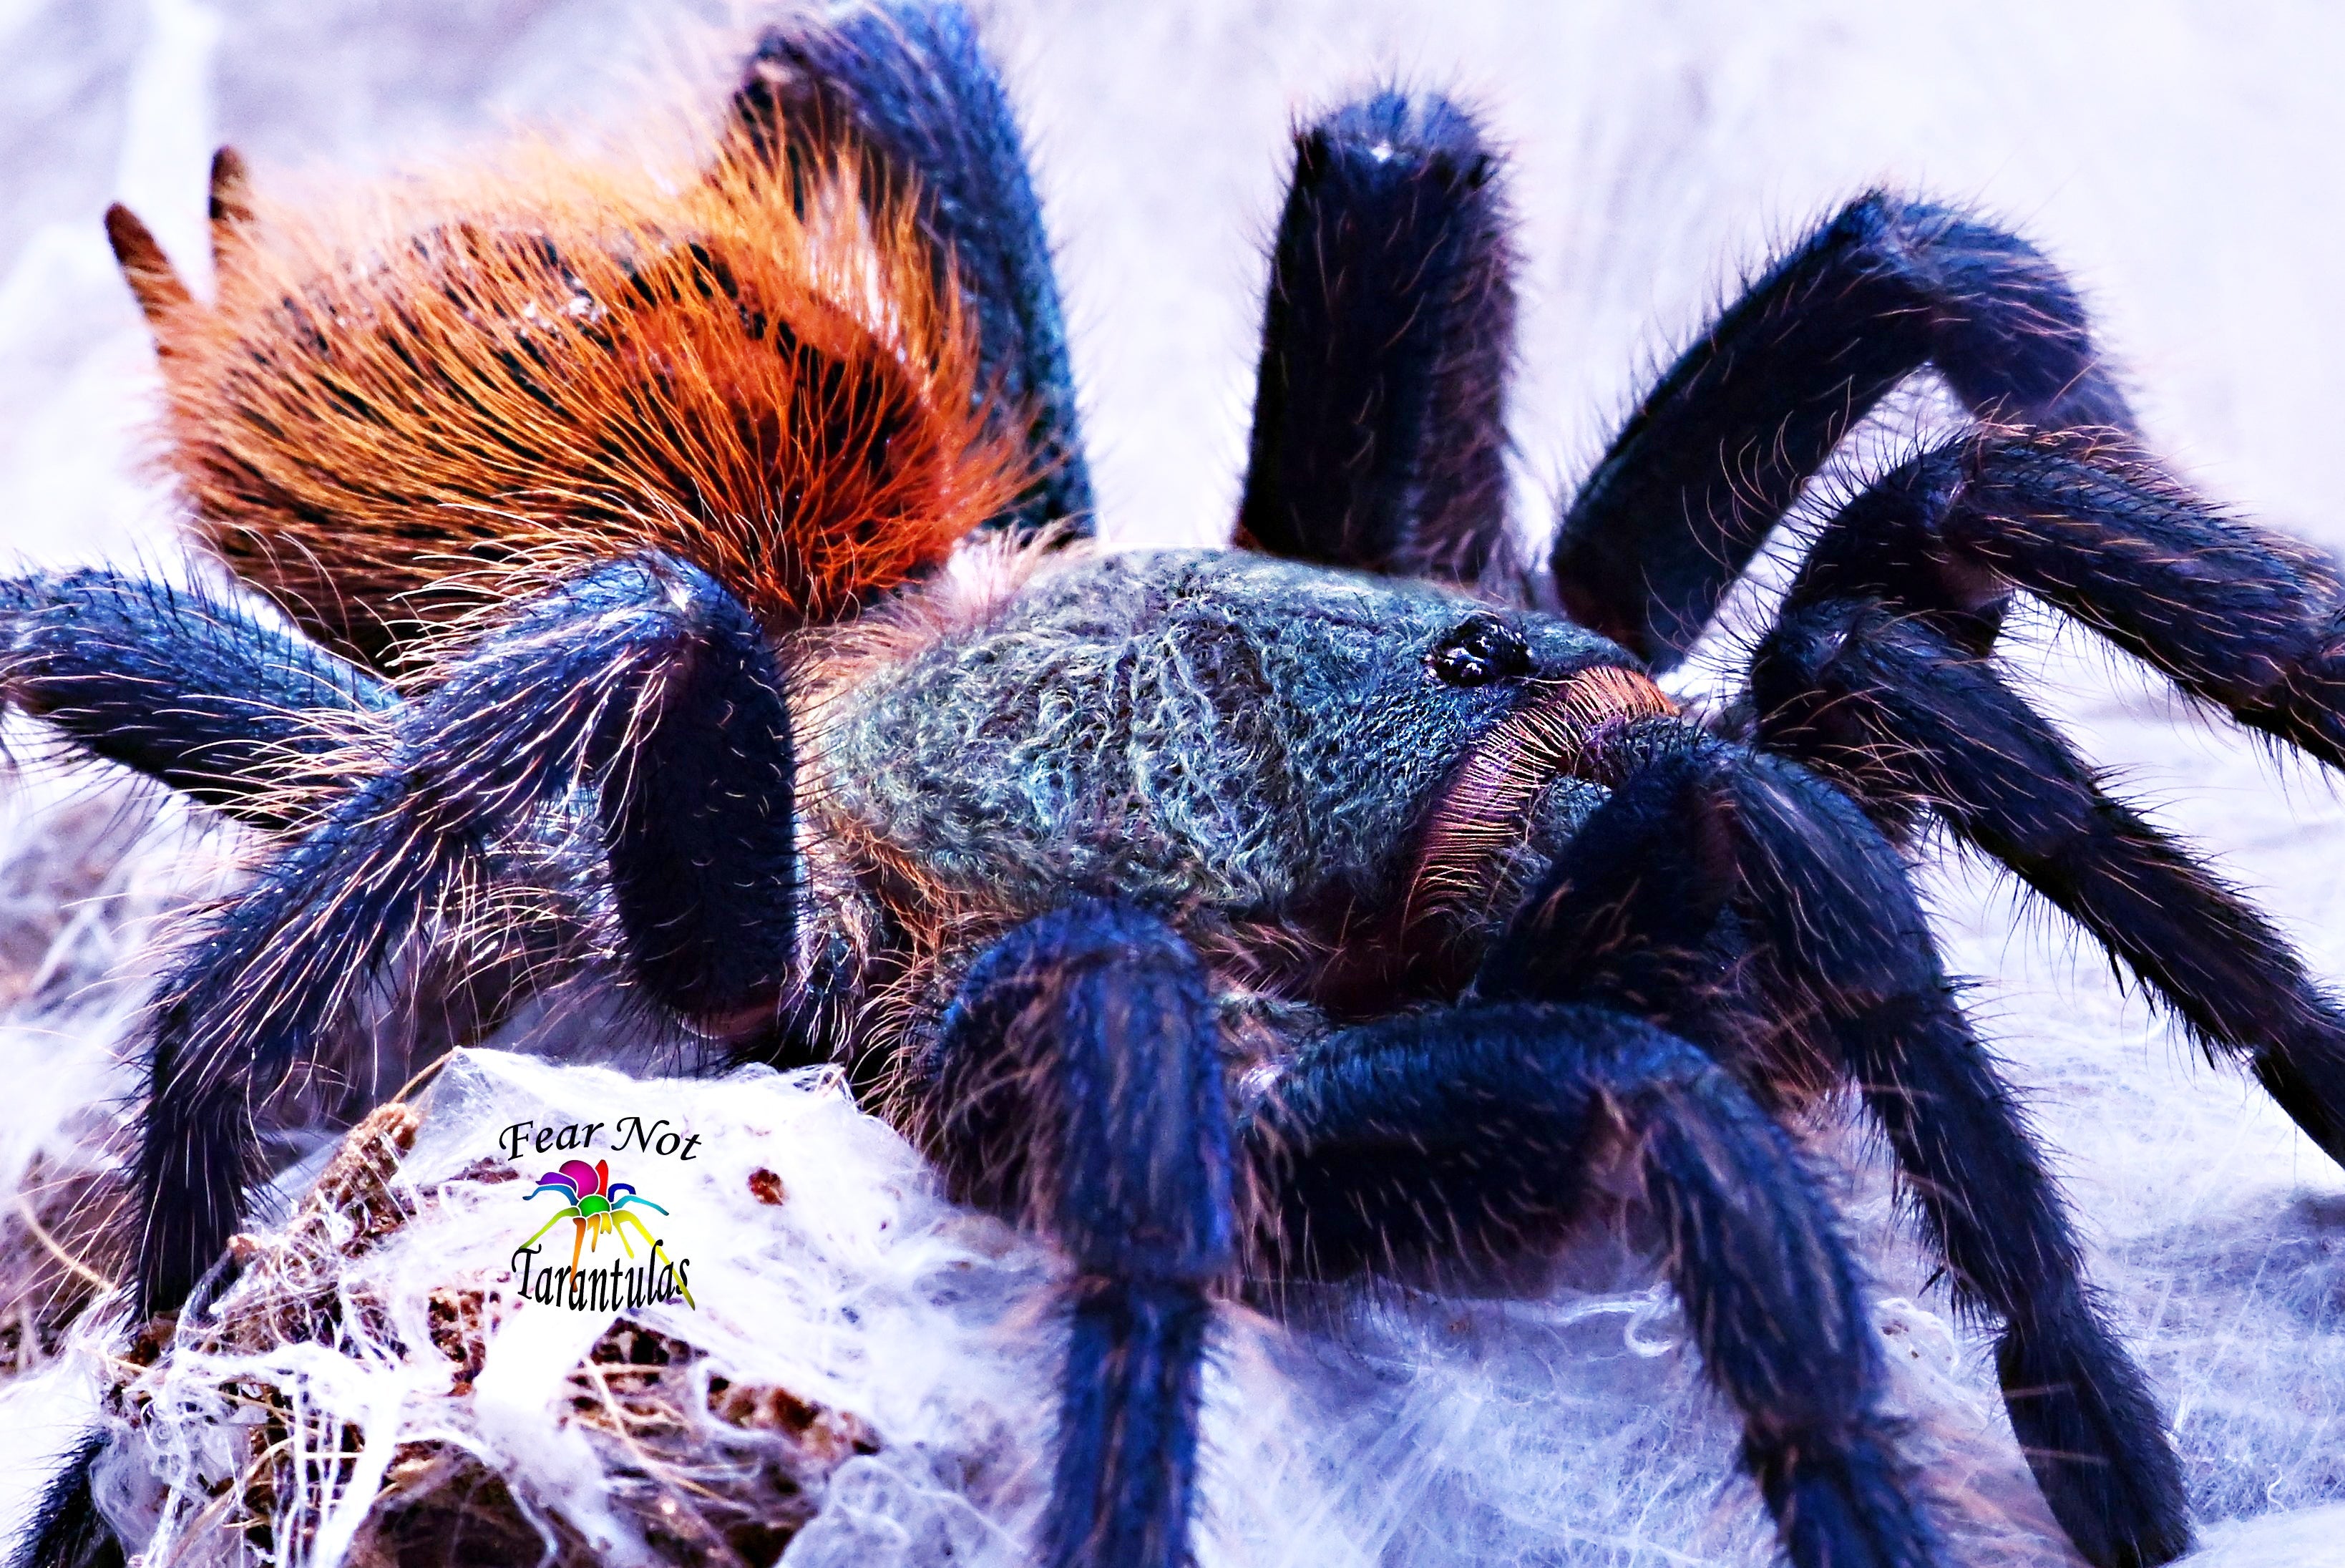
<point>598,1206</point>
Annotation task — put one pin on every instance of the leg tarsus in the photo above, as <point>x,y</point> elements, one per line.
<point>1842,1502</point>
<point>2118,1516</point>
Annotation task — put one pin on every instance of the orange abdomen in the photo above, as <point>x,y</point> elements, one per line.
<point>402,413</point>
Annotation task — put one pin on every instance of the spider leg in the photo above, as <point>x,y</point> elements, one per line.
<point>2250,621</point>
<point>1076,1085</point>
<point>176,683</point>
<point>1876,672</point>
<point>1839,918</point>
<point>910,85</point>
<point>1711,459</point>
<point>184,686</point>
<point>1379,415</point>
<point>642,676</point>
<point>1891,703</point>
<point>1842,945</point>
<point>1473,1131</point>
<point>67,1530</point>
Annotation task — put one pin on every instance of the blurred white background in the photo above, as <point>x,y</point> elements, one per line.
<point>2184,161</point>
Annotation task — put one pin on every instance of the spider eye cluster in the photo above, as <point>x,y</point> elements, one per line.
<point>1477,651</point>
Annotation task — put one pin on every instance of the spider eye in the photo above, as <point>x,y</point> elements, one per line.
<point>1478,651</point>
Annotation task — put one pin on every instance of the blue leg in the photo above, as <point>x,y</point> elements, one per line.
<point>1718,452</point>
<point>1635,914</point>
<point>1834,937</point>
<point>1379,415</point>
<point>1076,1086</point>
<point>1404,1142</point>
<point>1877,673</point>
<point>643,678</point>
<point>910,83</point>
<point>66,1531</point>
<point>1887,701</point>
<point>176,683</point>
<point>2248,621</point>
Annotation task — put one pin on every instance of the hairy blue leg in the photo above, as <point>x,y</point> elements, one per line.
<point>176,683</point>
<point>1076,1086</point>
<point>66,1531</point>
<point>1473,1131</point>
<point>637,671</point>
<point>1876,672</point>
<point>1635,911</point>
<point>1380,416</point>
<point>909,82</point>
<point>2251,621</point>
<point>1886,702</point>
<point>1841,941</point>
<point>1714,455</point>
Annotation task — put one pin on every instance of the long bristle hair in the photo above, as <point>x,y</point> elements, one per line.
<point>408,408</point>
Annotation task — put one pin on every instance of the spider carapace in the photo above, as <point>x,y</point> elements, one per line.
<point>1316,908</point>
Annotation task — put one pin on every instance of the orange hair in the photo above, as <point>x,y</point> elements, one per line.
<point>401,412</point>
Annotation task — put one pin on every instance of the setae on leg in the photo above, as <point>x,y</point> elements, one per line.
<point>1719,451</point>
<point>2250,621</point>
<point>178,684</point>
<point>1822,929</point>
<point>1886,702</point>
<point>1844,937</point>
<point>1076,1087</point>
<point>1379,414</point>
<point>66,1531</point>
<point>633,670</point>
<point>909,85</point>
<point>1472,1131</point>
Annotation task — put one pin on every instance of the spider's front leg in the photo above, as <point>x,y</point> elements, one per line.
<point>1399,1141</point>
<point>643,678</point>
<point>1076,1087</point>
<point>1826,936</point>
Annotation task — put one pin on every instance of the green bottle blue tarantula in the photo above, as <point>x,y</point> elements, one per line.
<point>1348,903</point>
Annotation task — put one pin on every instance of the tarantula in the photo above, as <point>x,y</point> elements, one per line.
<point>1347,904</point>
